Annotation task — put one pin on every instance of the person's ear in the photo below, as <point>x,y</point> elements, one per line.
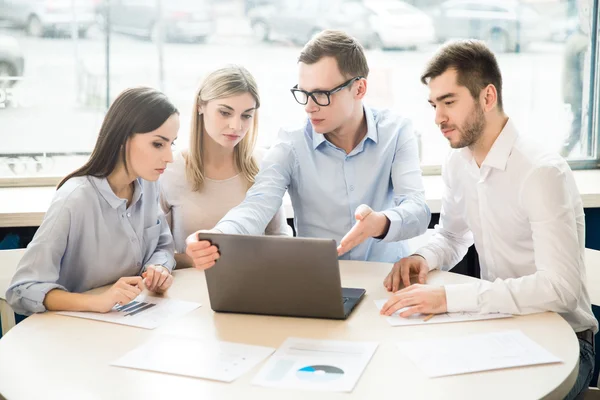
<point>361,88</point>
<point>490,97</point>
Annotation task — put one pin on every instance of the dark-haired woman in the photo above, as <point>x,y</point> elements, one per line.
<point>104,226</point>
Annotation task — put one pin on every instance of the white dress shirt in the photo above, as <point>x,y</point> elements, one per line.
<point>523,211</point>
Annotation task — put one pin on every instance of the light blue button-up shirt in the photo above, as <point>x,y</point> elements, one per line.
<point>89,238</point>
<point>326,185</point>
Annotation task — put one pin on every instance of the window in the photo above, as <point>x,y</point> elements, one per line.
<point>353,9</point>
<point>54,60</point>
<point>291,5</point>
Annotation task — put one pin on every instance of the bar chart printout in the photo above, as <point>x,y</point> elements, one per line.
<point>143,312</point>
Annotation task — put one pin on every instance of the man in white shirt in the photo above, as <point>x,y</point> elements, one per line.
<point>518,204</point>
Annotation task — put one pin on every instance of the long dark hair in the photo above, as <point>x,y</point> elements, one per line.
<point>136,110</point>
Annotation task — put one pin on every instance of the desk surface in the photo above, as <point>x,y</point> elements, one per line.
<point>49,355</point>
<point>26,206</point>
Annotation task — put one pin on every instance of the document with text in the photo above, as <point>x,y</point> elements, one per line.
<point>215,360</point>
<point>474,353</point>
<point>143,312</point>
<point>321,365</point>
<point>445,318</point>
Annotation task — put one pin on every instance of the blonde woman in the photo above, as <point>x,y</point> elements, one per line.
<point>214,174</point>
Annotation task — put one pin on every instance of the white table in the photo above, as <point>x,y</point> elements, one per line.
<point>53,356</point>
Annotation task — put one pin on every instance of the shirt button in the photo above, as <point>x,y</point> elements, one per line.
<point>128,215</point>
<point>351,188</point>
<point>132,240</point>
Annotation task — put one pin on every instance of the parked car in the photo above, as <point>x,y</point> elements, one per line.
<point>507,25</point>
<point>189,20</point>
<point>299,20</point>
<point>12,62</point>
<point>398,24</point>
<point>42,17</point>
<point>250,4</point>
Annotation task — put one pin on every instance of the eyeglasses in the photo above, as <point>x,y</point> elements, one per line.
<point>321,97</point>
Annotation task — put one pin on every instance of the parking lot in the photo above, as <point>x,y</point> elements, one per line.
<point>58,105</point>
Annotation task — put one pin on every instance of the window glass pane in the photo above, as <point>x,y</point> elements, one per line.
<point>52,81</point>
<point>53,84</point>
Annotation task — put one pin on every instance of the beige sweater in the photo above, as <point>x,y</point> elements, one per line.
<point>188,211</point>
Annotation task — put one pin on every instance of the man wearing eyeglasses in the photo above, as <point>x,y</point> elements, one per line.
<point>352,172</point>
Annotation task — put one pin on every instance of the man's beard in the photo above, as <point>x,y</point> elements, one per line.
<point>472,129</point>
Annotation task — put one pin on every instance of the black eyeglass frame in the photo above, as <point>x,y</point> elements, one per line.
<point>328,93</point>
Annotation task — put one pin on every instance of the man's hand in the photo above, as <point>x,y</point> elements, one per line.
<point>401,271</point>
<point>203,254</point>
<point>417,298</point>
<point>369,224</point>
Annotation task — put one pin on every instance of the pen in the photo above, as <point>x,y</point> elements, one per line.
<point>427,318</point>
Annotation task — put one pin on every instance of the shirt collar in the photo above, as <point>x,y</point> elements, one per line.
<point>318,138</point>
<point>466,153</point>
<point>371,126</point>
<point>111,198</point>
<point>498,155</point>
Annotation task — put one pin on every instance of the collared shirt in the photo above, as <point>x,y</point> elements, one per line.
<point>326,185</point>
<point>523,211</point>
<point>90,238</point>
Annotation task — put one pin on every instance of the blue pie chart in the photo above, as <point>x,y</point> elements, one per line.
<point>319,373</point>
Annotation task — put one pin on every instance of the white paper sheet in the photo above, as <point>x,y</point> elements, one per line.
<point>221,361</point>
<point>473,353</point>
<point>419,319</point>
<point>143,312</point>
<point>322,365</point>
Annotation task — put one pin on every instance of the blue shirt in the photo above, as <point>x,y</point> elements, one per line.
<point>89,238</point>
<point>326,185</point>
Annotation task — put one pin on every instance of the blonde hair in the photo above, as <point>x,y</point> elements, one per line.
<point>225,82</point>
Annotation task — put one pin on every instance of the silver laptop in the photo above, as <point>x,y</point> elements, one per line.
<point>275,275</point>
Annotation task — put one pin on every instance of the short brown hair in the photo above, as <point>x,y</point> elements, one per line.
<point>346,50</point>
<point>475,65</point>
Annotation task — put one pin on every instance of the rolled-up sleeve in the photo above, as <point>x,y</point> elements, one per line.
<point>411,215</point>
<point>39,269</point>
